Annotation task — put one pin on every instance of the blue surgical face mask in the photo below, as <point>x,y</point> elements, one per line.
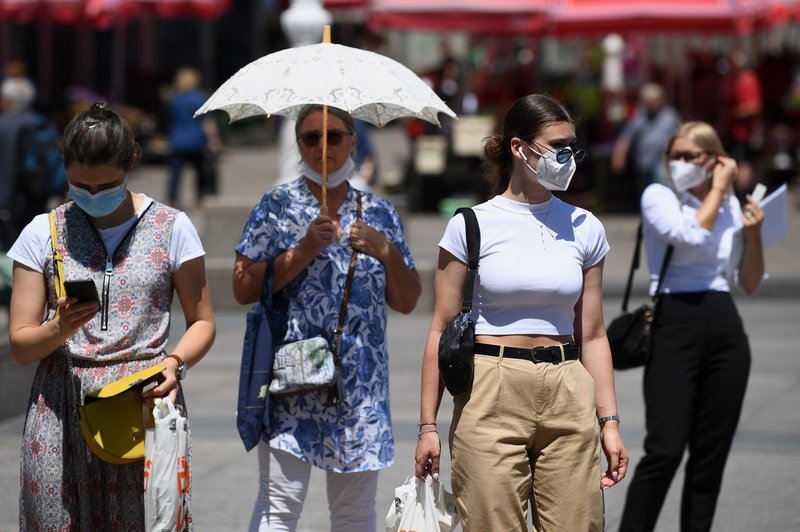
<point>101,204</point>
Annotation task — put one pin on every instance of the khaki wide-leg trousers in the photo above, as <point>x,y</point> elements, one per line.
<point>527,432</point>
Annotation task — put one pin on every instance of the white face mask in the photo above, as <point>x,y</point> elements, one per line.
<point>685,176</point>
<point>551,174</point>
<point>334,178</point>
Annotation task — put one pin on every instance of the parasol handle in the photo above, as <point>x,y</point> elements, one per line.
<point>324,160</point>
<point>323,210</point>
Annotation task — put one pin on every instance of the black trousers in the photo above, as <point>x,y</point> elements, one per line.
<point>176,162</point>
<point>694,387</point>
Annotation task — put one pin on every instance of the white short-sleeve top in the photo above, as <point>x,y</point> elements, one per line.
<point>33,245</point>
<point>532,258</point>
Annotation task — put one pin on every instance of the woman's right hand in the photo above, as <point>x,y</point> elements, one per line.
<point>319,235</point>
<point>73,315</point>
<point>426,457</point>
<point>725,170</point>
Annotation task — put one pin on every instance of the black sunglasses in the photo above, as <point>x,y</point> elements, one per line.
<point>563,154</point>
<point>312,138</point>
<point>686,156</point>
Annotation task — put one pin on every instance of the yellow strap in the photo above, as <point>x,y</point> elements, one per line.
<point>58,263</point>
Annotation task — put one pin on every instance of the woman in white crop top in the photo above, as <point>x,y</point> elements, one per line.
<point>542,400</point>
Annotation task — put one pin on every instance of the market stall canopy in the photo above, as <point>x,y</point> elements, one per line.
<point>103,13</point>
<point>345,4</point>
<point>479,16</point>
<point>578,16</point>
<point>24,11</point>
<point>620,16</point>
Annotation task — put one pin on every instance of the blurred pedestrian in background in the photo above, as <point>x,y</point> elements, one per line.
<point>138,253</point>
<point>22,196</point>
<point>639,149</point>
<point>366,173</point>
<point>193,141</point>
<point>543,386</point>
<point>695,382</point>
<point>304,256</point>
<point>746,129</point>
<point>16,98</point>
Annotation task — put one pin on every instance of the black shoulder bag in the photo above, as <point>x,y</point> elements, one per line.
<point>629,333</point>
<point>456,345</point>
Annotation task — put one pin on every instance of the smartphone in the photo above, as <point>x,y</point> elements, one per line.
<point>758,193</point>
<point>85,290</point>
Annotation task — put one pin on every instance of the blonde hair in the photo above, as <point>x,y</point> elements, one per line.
<point>702,134</point>
<point>186,79</point>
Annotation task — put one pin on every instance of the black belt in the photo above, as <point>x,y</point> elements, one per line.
<point>550,353</point>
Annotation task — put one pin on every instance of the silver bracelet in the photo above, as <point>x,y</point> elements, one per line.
<point>425,431</point>
<point>603,419</point>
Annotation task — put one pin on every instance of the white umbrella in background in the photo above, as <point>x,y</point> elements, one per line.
<point>370,86</point>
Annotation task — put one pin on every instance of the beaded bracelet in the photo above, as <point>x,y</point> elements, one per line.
<point>421,432</point>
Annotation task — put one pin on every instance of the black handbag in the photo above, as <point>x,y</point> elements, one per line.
<point>456,345</point>
<point>629,333</point>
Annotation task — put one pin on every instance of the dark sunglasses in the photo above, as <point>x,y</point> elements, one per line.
<point>687,156</point>
<point>563,154</point>
<point>312,138</point>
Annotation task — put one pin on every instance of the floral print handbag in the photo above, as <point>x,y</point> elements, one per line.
<point>311,364</point>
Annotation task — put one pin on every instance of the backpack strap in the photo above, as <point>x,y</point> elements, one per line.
<point>473,232</point>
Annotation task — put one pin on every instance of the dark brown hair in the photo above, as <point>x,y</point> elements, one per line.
<point>343,115</point>
<point>525,119</point>
<point>99,136</point>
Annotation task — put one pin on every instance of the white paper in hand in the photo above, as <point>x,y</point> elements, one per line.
<point>758,193</point>
<point>776,217</point>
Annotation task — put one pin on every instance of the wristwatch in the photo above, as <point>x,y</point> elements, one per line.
<point>181,372</point>
<point>603,420</point>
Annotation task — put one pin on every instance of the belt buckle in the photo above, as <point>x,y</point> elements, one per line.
<point>534,359</point>
<point>549,350</point>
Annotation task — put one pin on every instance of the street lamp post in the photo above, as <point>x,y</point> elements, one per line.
<point>302,23</point>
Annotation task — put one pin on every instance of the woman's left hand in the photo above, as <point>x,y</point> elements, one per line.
<point>616,455</point>
<point>752,215</point>
<point>167,385</point>
<point>368,240</point>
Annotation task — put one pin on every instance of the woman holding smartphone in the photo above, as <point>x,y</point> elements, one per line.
<point>137,253</point>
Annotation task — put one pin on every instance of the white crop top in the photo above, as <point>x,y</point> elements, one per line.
<point>532,258</point>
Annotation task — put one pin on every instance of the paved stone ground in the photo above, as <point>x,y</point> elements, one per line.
<point>760,491</point>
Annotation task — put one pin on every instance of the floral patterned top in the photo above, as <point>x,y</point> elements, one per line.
<point>354,434</point>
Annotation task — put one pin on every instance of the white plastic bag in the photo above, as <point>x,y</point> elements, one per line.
<point>166,469</point>
<point>421,507</point>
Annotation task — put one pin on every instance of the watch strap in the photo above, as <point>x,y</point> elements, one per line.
<point>181,373</point>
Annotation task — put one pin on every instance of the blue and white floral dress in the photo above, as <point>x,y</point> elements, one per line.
<point>355,434</point>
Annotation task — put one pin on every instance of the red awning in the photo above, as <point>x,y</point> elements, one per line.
<point>345,4</point>
<point>480,16</point>
<point>65,11</point>
<point>620,16</point>
<point>578,16</point>
<point>104,12</point>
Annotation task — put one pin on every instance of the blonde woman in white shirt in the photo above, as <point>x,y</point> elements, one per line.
<point>695,382</point>
<point>542,401</point>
